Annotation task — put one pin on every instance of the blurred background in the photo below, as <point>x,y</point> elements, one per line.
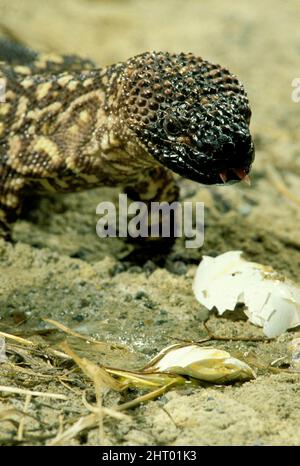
<point>257,40</point>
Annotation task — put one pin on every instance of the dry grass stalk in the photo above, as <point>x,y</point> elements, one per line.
<point>22,421</point>
<point>280,186</point>
<point>22,391</point>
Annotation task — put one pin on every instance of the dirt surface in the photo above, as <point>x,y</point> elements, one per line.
<point>58,268</point>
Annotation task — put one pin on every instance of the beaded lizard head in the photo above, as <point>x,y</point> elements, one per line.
<point>190,115</point>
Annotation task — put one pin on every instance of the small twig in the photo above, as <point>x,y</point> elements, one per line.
<point>61,425</point>
<point>278,184</point>
<point>22,391</point>
<point>149,396</point>
<point>18,339</point>
<point>29,438</point>
<point>22,421</point>
<point>67,386</point>
<point>169,416</point>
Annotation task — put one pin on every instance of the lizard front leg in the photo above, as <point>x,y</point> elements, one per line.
<point>11,195</point>
<point>158,192</point>
<point>8,216</point>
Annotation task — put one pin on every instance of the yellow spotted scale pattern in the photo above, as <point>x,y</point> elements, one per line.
<point>66,125</point>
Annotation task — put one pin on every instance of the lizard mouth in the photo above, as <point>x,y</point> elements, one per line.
<point>221,176</point>
<point>211,175</point>
<point>232,175</point>
<point>222,168</point>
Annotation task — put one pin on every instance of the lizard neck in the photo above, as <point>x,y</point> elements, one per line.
<point>67,127</point>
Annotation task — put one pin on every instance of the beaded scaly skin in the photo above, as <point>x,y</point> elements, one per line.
<point>67,125</point>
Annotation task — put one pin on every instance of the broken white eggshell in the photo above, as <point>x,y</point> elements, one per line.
<point>271,301</point>
<point>203,363</point>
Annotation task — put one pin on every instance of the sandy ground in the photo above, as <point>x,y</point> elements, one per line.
<point>59,269</point>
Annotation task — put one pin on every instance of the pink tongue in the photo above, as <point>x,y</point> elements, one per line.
<point>223,176</point>
<point>239,172</point>
<point>242,175</point>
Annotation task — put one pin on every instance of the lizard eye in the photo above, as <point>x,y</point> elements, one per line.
<point>172,127</point>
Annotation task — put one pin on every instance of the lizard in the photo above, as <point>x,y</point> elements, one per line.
<point>68,125</point>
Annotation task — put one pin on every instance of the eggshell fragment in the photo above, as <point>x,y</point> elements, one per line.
<point>203,363</point>
<point>271,301</point>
